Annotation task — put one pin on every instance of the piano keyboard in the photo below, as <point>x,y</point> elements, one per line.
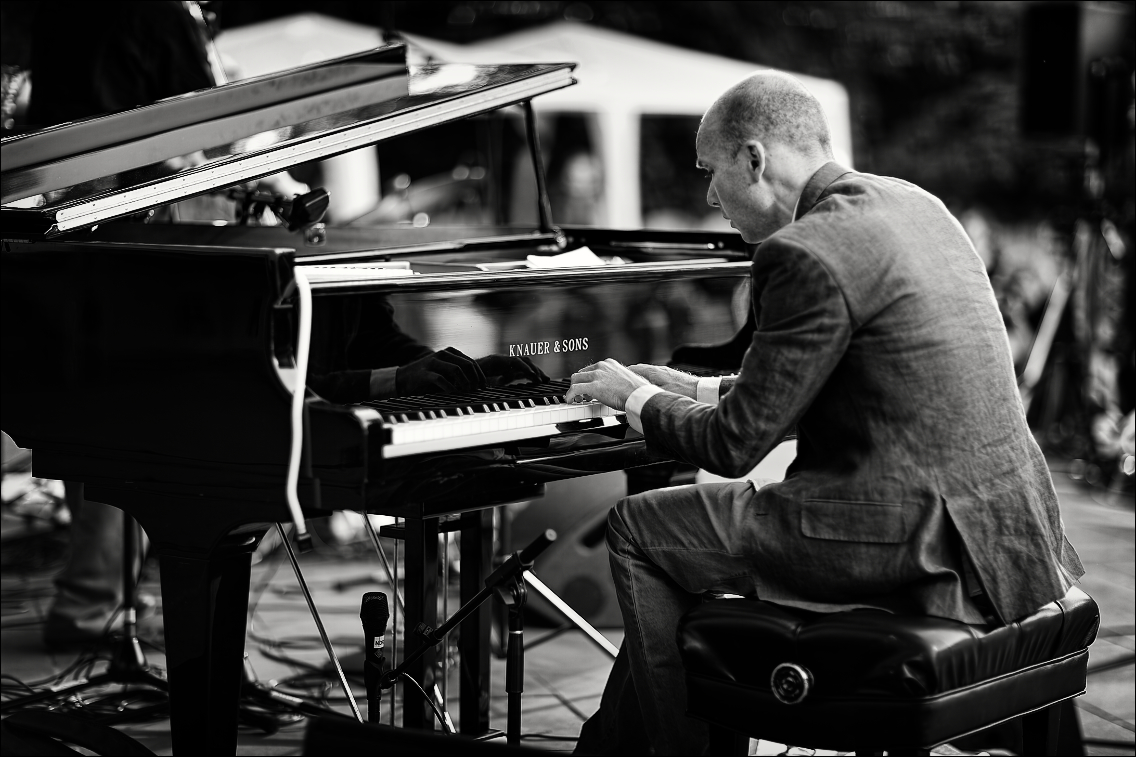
<point>424,424</point>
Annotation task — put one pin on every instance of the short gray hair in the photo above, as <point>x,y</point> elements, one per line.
<point>774,106</point>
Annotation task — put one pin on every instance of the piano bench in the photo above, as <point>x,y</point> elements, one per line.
<point>868,681</point>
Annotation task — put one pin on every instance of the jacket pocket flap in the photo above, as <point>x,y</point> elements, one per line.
<point>845,520</point>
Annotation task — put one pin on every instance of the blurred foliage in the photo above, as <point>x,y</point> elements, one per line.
<point>933,85</point>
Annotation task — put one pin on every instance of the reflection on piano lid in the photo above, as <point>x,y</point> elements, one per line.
<point>207,118</point>
<point>437,94</point>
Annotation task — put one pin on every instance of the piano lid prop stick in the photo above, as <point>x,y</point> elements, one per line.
<point>304,318</point>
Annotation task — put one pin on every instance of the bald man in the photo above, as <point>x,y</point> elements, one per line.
<point>917,487</point>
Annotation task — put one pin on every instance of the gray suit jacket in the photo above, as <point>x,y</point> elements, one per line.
<point>879,340</point>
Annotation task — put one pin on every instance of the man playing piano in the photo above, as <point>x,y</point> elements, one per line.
<point>917,487</point>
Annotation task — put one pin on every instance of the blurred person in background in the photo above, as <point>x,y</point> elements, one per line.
<point>917,488</point>
<point>577,193</point>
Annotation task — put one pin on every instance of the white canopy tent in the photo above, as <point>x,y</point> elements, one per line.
<point>621,78</point>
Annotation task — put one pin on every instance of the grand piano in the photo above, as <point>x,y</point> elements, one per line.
<point>155,361</point>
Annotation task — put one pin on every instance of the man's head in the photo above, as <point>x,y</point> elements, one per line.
<point>760,142</point>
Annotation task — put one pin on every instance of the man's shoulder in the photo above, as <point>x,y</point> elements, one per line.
<point>862,216</point>
<point>877,237</point>
<point>857,199</point>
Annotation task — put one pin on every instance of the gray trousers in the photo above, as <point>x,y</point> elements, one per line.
<point>88,591</point>
<point>667,547</point>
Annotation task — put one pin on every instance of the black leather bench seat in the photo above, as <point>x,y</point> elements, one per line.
<point>880,679</point>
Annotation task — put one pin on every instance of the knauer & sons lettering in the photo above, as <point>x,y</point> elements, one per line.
<point>528,349</point>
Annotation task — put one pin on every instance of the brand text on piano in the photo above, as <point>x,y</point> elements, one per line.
<point>544,348</point>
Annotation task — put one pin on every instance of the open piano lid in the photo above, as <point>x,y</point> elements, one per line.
<point>75,191</point>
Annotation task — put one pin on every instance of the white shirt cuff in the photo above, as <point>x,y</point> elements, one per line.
<point>708,389</point>
<point>635,403</point>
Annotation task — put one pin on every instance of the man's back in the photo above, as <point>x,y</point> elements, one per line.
<point>917,488</point>
<point>923,405</point>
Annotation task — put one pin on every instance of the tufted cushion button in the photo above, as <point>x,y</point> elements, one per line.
<point>790,683</point>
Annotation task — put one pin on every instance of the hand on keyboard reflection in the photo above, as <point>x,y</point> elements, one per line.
<point>444,372</point>
<point>501,370</point>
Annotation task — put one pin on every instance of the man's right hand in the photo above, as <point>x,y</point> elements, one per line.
<point>669,379</point>
<point>444,372</point>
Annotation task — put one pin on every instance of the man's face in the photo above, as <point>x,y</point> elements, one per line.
<point>736,185</point>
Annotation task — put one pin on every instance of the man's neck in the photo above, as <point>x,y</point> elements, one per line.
<point>801,176</point>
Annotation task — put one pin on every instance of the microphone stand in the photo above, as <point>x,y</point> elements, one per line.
<point>507,583</point>
<point>128,663</point>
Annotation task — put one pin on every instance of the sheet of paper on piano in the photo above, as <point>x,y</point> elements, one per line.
<point>577,258</point>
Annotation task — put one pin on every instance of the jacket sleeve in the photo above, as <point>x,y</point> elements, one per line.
<point>351,337</point>
<point>377,341</point>
<point>802,332</point>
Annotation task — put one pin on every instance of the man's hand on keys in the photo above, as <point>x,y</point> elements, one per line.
<point>669,379</point>
<point>608,381</point>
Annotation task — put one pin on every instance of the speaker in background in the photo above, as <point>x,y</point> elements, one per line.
<point>576,566</point>
<point>1065,43</point>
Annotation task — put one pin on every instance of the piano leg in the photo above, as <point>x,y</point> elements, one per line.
<point>204,602</point>
<point>206,563</point>
<point>421,597</point>
<point>476,563</point>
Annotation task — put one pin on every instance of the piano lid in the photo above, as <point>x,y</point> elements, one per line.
<point>48,199</point>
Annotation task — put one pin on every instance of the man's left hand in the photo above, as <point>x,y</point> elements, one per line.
<point>669,379</point>
<point>607,381</point>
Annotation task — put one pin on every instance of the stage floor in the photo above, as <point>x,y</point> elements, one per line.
<point>565,675</point>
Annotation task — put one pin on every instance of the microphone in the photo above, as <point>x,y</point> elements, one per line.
<point>374,614</point>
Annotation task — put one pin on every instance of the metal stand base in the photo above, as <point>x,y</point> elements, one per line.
<point>128,664</point>
<point>506,584</point>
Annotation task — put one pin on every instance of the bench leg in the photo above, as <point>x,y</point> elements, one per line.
<point>1040,729</point>
<point>726,741</point>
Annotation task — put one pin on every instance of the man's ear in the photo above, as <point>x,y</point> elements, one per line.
<point>753,152</point>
